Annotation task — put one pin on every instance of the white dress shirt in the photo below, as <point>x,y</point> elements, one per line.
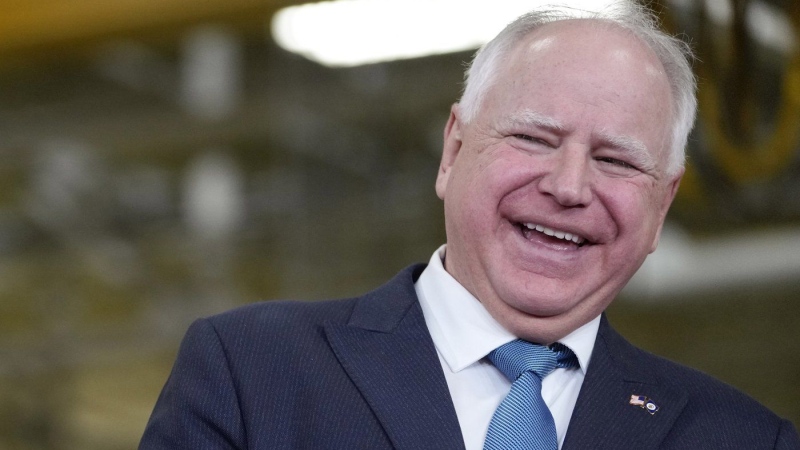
<point>464,333</point>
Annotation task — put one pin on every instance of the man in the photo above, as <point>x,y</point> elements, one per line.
<point>558,168</point>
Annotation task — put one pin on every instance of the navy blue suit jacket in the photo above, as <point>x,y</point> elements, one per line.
<point>363,373</point>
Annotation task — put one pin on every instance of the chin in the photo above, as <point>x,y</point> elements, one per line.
<point>546,301</point>
<point>543,319</point>
<point>540,308</point>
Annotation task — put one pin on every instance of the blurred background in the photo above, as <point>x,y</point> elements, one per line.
<point>164,160</point>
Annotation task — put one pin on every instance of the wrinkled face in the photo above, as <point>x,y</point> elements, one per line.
<point>556,192</point>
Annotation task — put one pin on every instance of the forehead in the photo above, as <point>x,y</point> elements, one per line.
<point>586,41</point>
<point>591,67</point>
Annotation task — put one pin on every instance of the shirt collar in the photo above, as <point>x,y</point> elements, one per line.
<point>464,332</point>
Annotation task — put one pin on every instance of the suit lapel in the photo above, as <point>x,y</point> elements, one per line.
<point>604,417</point>
<point>388,353</point>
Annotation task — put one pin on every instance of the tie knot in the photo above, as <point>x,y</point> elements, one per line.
<point>518,357</point>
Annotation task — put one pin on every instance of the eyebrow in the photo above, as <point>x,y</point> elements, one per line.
<point>631,146</point>
<point>529,117</point>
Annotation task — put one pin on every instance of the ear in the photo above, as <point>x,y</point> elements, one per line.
<point>669,195</point>
<point>450,149</point>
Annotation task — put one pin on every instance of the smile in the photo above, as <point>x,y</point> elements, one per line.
<point>558,234</point>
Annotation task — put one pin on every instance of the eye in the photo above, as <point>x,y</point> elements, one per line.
<point>616,162</point>
<point>532,139</point>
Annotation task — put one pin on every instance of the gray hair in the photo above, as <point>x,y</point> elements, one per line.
<point>673,53</point>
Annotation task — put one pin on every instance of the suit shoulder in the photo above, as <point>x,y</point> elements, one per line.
<point>290,316</point>
<point>713,414</point>
<point>694,381</point>
<point>702,389</point>
<point>294,315</point>
<point>710,399</point>
<point>259,340</point>
<point>301,325</point>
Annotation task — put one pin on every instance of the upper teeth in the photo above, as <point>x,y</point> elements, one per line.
<point>556,233</point>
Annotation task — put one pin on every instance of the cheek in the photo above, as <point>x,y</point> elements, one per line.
<point>481,179</point>
<point>472,202</point>
<point>511,171</point>
<point>635,208</point>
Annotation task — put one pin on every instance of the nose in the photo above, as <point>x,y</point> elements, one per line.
<point>566,178</point>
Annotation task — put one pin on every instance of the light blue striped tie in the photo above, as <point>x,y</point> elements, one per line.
<point>523,421</point>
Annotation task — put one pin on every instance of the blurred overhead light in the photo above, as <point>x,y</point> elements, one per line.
<point>354,32</point>
<point>719,11</point>
<point>771,27</point>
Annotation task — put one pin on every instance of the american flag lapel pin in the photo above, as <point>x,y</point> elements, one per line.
<point>644,403</point>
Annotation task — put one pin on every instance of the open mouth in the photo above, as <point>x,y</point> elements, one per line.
<point>528,229</point>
